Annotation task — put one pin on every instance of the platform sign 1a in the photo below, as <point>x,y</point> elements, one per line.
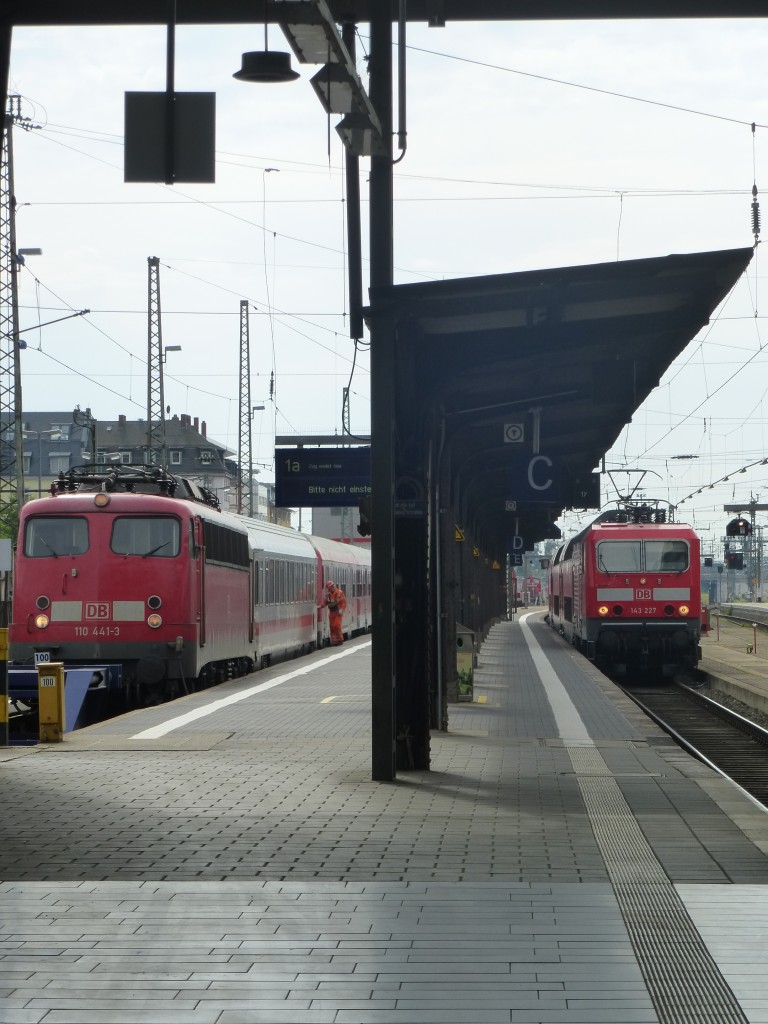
<point>321,477</point>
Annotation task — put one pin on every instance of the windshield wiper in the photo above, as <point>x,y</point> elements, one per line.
<point>54,553</point>
<point>153,550</point>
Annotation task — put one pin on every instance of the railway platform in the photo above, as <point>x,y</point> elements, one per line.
<point>735,654</point>
<point>226,859</point>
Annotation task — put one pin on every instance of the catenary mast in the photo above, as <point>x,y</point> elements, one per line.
<point>244,458</point>
<point>11,458</point>
<point>156,454</point>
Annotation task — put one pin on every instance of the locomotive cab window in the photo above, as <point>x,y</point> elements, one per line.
<point>666,556</point>
<point>619,556</point>
<point>146,536</point>
<point>52,536</point>
<point>642,556</point>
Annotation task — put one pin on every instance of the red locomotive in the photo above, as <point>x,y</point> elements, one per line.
<point>139,575</point>
<point>626,591</point>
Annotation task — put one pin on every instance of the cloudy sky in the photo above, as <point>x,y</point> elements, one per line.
<point>530,145</point>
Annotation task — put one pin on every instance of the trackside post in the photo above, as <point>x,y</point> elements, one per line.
<point>50,685</point>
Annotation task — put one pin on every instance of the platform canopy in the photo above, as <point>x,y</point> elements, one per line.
<point>528,377</point>
<point>434,12</point>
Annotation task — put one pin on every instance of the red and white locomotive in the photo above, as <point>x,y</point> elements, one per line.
<point>626,591</point>
<point>139,573</point>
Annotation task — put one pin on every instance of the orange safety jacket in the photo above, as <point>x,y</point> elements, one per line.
<point>336,600</point>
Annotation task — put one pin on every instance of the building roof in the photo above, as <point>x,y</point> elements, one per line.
<point>180,431</point>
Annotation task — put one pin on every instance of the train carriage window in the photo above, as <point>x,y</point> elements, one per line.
<point>145,536</point>
<point>52,536</point>
<point>225,545</point>
<point>619,556</point>
<point>666,556</point>
<point>270,581</point>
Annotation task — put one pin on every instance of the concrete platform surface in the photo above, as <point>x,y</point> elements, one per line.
<point>228,859</point>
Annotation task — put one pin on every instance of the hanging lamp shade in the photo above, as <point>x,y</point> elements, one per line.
<point>266,66</point>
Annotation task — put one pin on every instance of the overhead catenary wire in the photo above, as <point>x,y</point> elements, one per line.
<point>513,71</point>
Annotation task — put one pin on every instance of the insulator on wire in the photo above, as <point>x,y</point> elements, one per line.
<point>755,218</point>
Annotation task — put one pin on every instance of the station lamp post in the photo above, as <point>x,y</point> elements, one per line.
<point>170,348</point>
<point>251,471</point>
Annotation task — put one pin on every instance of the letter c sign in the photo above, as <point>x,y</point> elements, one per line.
<point>540,473</point>
<point>534,478</point>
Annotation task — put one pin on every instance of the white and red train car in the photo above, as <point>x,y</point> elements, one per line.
<point>140,574</point>
<point>626,591</point>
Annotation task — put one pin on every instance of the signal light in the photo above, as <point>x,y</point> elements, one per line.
<point>739,527</point>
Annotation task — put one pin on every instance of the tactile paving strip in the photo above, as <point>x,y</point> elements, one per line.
<point>683,980</point>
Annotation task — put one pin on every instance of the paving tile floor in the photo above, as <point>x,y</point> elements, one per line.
<point>243,867</point>
<point>342,952</point>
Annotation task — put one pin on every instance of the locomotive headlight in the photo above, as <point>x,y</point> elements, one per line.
<point>603,609</point>
<point>41,621</point>
<point>101,499</point>
<point>154,621</point>
<point>683,609</point>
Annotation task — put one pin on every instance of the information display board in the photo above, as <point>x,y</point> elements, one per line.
<point>321,477</point>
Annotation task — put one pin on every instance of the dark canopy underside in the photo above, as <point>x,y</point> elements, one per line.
<point>568,353</point>
<point>437,12</point>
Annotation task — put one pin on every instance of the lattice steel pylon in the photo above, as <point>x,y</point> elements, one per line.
<point>156,446</point>
<point>244,458</point>
<point>11,443</point>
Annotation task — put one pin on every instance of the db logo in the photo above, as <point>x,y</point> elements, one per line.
<point>97,610</point>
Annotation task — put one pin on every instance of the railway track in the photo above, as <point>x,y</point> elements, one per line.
<point>731,744</point>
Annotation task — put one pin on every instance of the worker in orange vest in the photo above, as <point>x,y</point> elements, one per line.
<point>336,602</point>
